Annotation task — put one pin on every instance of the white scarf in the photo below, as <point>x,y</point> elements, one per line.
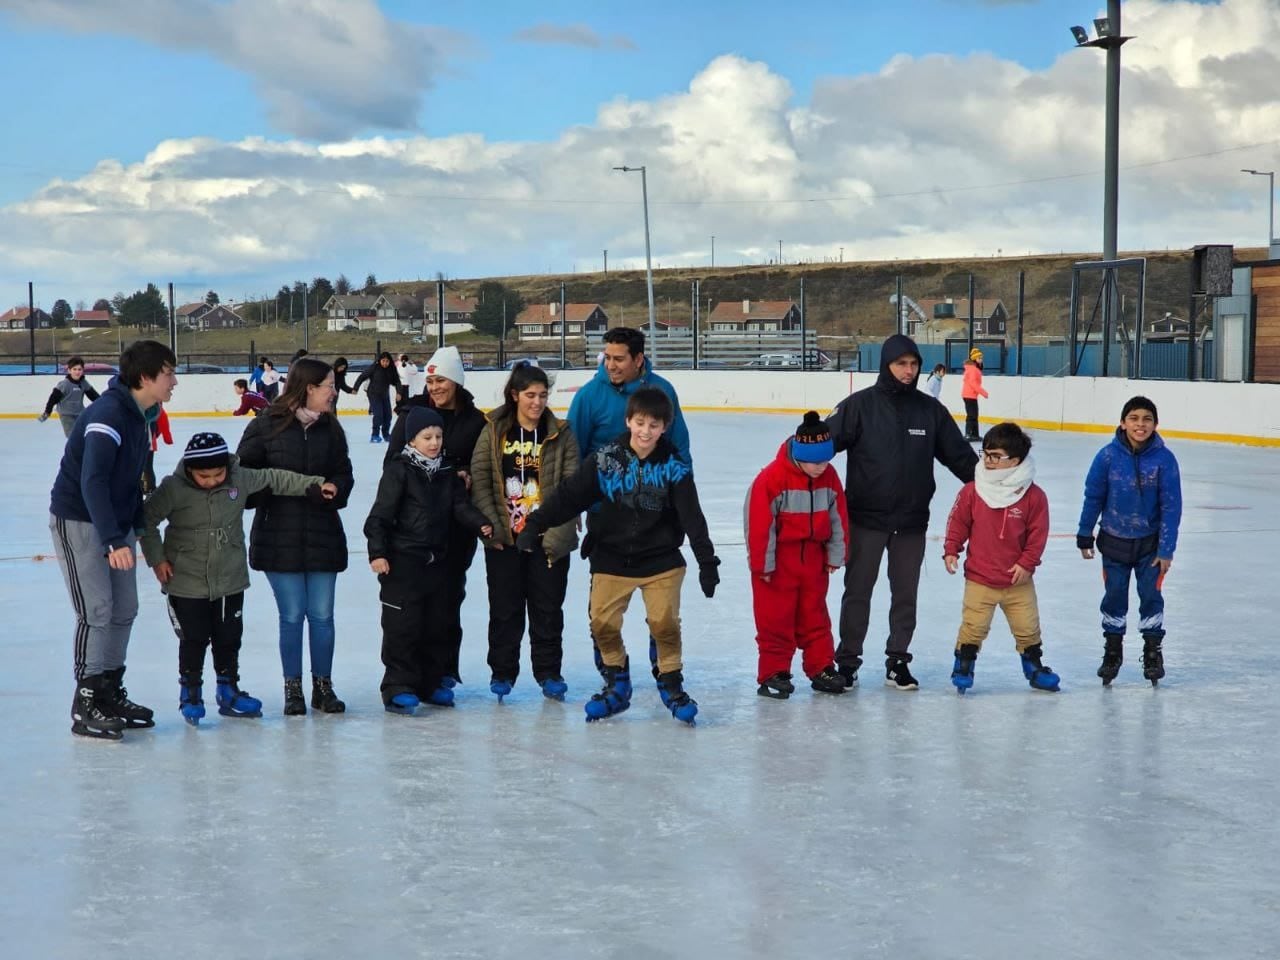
<point>1003,488</point>
<point>428,465</point>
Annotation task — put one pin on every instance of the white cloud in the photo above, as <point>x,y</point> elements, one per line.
<point>324,68</point>
<point>928,157</point>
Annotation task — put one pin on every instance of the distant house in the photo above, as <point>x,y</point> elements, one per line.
<point>16,319</point>
<point>542,321</point>
<point>189,314</point>
<point>990,318</point>
<point>395,312</point>
<point>87,319</point>
<point>219,317</point>
<point>456,309</point>
<point>740,316</point>
<point>347,310</point>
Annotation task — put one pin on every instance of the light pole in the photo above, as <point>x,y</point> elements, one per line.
<point>713,251</point>
<point>652,348</point>
<point>779,253</point>
<point>1271,198</point>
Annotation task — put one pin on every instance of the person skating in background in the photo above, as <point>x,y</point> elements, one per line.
<point>408,372</point>
<point>420,496</point>
<point>1004,518</point>
<point>797,527</point>
<point>445,393</point>
<point>648,502</point>
<point>1134,486</point>
<point>523,455</point>
<point>340,384</point>
<point>158,428</point>
<point>934,383</point>
<point>255,376</point>
<point>94,510</point>
<point>383,379</point>
<point>301,545</point>
<point>250,402</point>
<point>270,380</point>
<point>892,433</point>
<point>970,390</point>
<point>69,396</point>
<point>201,563</point>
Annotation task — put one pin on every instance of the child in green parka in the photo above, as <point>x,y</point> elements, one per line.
<point>202,564</point>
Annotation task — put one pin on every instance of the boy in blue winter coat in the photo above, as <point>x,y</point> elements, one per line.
<point>1134,485</point>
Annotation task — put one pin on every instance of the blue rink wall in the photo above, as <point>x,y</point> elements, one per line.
<point>1228,412</point>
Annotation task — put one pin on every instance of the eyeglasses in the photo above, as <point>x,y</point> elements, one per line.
<point>991,457</point>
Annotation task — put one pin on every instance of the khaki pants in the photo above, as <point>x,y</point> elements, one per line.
<point>1020,610</point>
<point>610,597</point>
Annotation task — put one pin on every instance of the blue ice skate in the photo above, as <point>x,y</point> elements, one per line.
<point>671,688</point>
<point>554,688</point>
<point>614,698</point>
<point>234,702</point>
<point>403,703</point>
<point>962,672</point>
<point>441,697</point>
<point>1038,675</point>
<point>190,701</point>
<point>500,688</point>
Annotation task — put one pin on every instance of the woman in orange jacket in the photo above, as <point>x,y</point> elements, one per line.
<point>970,391</point>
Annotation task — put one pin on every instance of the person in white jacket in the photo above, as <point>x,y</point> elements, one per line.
<point>934,383</point>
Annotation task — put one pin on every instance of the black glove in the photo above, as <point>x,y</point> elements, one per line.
<point>528,539</point>
<point>1084,542</point>
<point>314,494</point>
<point>709,576</point>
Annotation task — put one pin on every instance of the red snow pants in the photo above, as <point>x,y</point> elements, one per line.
<point>791,611</point>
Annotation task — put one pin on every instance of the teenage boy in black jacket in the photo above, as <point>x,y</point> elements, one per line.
<point>648,502</point>
<point>892,433</point>
<point>420,497</point>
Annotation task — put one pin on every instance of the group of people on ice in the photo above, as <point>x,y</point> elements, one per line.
<point>517,479</point>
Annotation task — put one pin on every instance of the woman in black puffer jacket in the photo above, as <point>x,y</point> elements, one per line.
<point>298,543</point>
<point>463,422</point>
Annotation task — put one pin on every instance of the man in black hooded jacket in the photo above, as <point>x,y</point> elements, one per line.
<point>892,433</point>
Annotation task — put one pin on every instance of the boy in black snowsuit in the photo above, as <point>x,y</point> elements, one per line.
<point>419,497</point>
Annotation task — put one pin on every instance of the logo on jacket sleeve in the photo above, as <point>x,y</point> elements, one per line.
<point>917,431</point>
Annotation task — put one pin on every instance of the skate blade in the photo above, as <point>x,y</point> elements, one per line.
<point>82,731</point>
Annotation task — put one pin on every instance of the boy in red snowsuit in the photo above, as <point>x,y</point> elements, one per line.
<point>797,533</point>
<point>1004,517</point>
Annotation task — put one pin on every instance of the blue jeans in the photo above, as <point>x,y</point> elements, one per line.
<point>1115,598</point>
<point>308,595</point>
<point>380,410</point>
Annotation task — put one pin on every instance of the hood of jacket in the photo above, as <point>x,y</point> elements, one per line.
<point>1153,442</point>
<point>631,386</point>
<point>895,347</point>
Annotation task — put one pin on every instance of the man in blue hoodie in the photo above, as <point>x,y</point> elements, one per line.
<point>892,433</point>
<point>1135,486</point>
<point>95,510</point>
<point>598,413</point>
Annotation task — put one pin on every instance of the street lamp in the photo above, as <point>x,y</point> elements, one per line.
<point>713,251</point>
<point>652,349</point>
<point>1271,197</point>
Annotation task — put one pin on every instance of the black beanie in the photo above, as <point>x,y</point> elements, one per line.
<point>206,451</point>
<point>419,419</point>
<point>812,443</point>
<point>1139,403</point>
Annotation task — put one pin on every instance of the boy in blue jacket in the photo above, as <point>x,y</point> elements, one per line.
<point>1134,485</point>
<point>95,510</point>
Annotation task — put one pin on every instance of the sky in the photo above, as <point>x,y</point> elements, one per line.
<point>236,145</point>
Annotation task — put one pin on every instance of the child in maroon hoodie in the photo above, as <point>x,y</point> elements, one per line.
<point>1004,517</point>
<point>797,531</point>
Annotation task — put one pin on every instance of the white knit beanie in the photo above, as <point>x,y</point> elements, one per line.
<point>447,362</point>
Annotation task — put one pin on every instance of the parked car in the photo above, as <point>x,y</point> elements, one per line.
<point>776,360</point>
<point>200,368</point>
<point>546,363</point>
<point>101,368</point>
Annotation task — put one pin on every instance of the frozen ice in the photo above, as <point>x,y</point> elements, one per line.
<point>1096,823</point>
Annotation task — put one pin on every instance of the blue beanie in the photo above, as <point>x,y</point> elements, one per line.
<point>419,419</point>
<point>812,442</point>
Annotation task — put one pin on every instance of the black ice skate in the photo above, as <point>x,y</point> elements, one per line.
<point>827,680</point>
<point>1112,657</point>
<point>776,687</point>
<point>1153,659</point>
<point>87,717</point>
<point>115,701</point>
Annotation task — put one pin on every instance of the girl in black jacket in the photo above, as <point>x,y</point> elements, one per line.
<point>463,422</point>
<point>383,378</point>
<point>300,544</point>
<point>420,497</point>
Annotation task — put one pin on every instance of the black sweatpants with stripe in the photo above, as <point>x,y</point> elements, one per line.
<point>201,623</point>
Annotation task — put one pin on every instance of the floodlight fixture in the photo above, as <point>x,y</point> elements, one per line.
<point>1081,35</point>
<point>1102,27</point>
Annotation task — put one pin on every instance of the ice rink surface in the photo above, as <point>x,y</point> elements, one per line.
<point>1097,823</point>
